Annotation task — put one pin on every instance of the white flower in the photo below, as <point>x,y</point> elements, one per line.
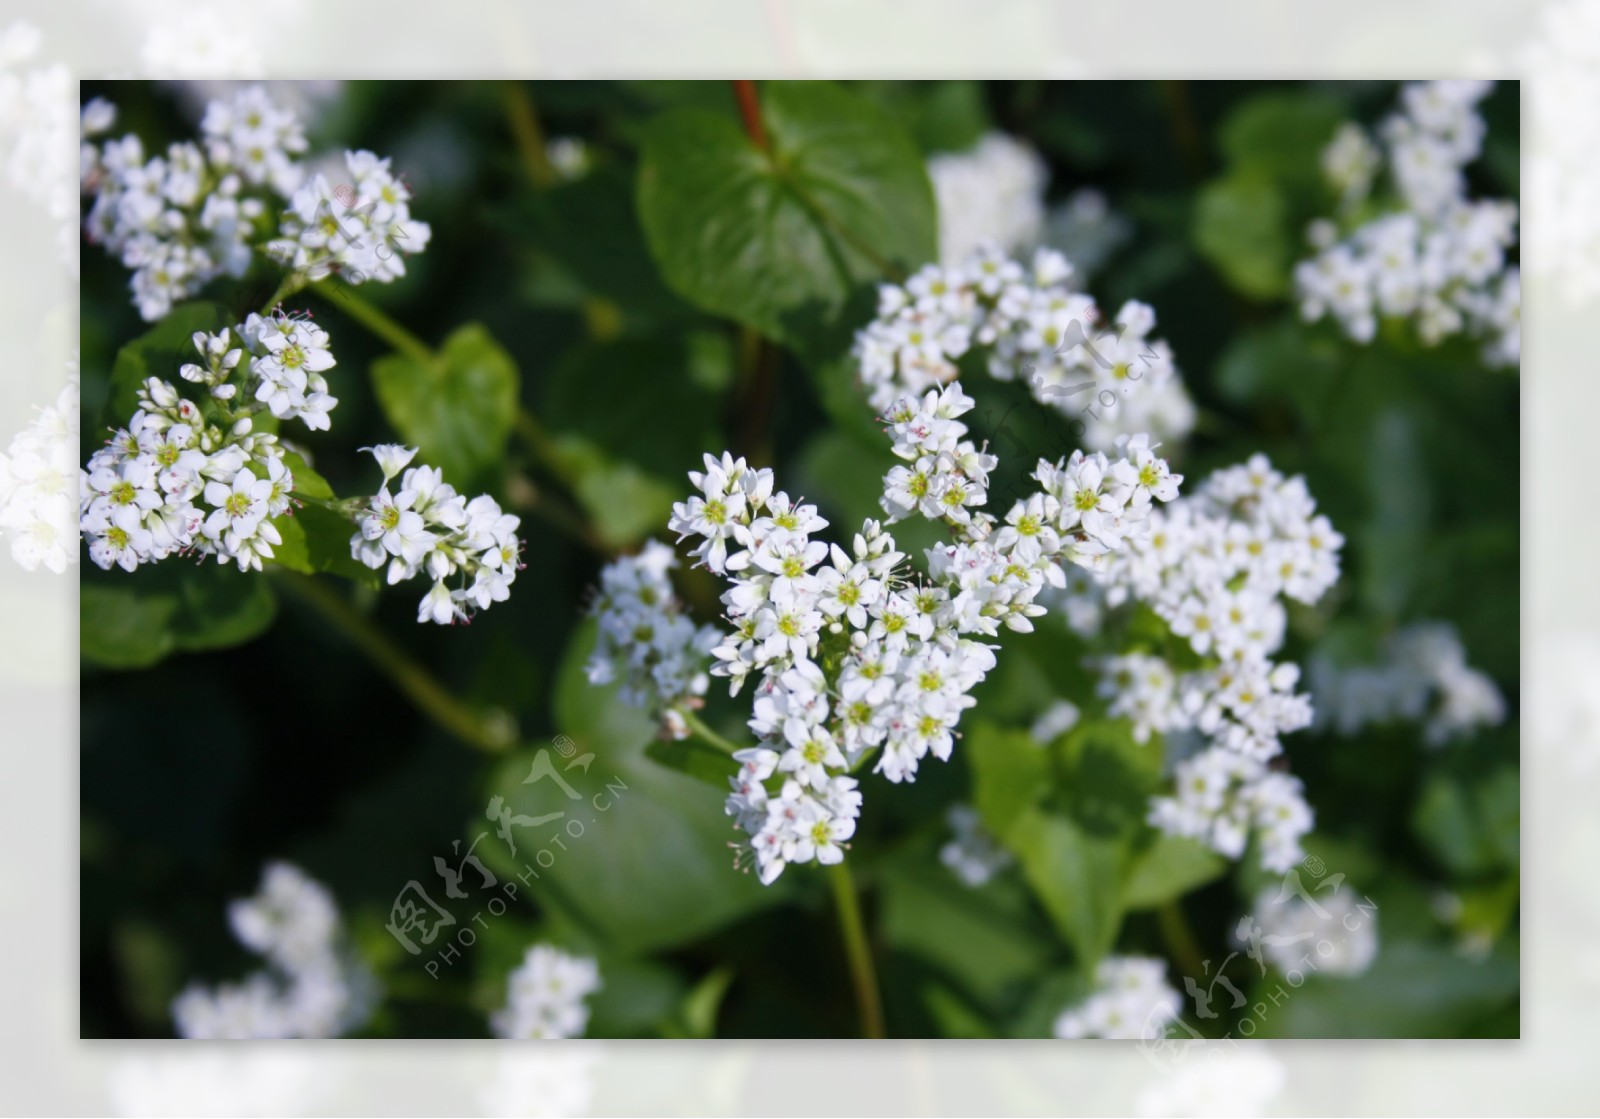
<point>1131,1001</point>
<point>392,458</point>
<point>312,987</point>
<point>545,995</point>
<point>972,854</point>
<point>1434,258</point>
<point>1335,929</point>
<point>647,640</point>
<point>993,192</point>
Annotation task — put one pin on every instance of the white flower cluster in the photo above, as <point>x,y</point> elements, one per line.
<point>853,656</point>
<point>312,986</point>
<point>1333,931</point>
<point>972,853</point>
<point>544,996</point>
<point>645,633</point>
<point>182,219</point>
<point>358,229</point>
<point>1439,259</point>
<point>1424,676</point>
<point>427,527</point>
<point>38,120</point>
<point>1086,230</point>
<point>995,192</point>
<point>992,192</point>
<point>1215,567</point>
<point>1222,798</point>
<point>179,479</point>
<point>37,474</point>
<point>1131,1001</point>
<point>1113,379</point>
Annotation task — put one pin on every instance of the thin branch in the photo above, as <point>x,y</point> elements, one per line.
<point>419,686</point>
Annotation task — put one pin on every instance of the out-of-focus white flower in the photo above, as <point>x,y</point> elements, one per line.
<point>1225,1083</point>
<point>1132,1000</point>
<point>1439,259</point>
<point>313,986</point>
<point>1424,676</point>
<point>1054,721</point>
<point>38,480</point>
<point>645,633</point>
<point>972,853</point>
<point>545,995</point>
<point>1333,932</point>
<point>993,192</point>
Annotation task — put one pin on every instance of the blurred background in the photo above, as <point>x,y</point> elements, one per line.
<point>262,719</point>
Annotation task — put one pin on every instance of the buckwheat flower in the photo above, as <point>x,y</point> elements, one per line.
<point>1423,676</point>
<point>312,986</point>
<point>545,996</point>
<point>1143,689</point>
<point>647,640</point>
<point>1431,256</point>
<point>469,549</point>
<point>1054,721</point>
<point>854,657</point>
<point>392,458</point>
<point>38,481</point>
<point>1223,797</point>
<point>972,853</point>
<point>1238,1082</point>
<point>1335,930</point>
<point>993,192</point>
<point>1131,1000</point>
<point>361,230</point>
<point>1112,379</point>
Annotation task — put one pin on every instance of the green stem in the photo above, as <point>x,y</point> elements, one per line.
<point>525,129</point>
<point>292,284</point>
<point>377,321</point>
<point>416,682</point>
<point>1180,939</point>
<point>862,974</point>
<point>698,725</point>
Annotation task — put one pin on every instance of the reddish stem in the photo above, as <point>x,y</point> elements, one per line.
<point>750,112</point>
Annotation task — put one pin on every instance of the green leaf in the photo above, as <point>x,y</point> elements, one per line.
<point>616,396</point>
<point>700,1006</point>
<point>1169,868</point>
<point>317,540</point>
<point>1010,775</point>
<point>135,620</point>
<point>591,227</point>
<point>695,758</point>
<point>1239,225</point>
<point>1108,777</point>
<point>158,352</point>
<point>118,628</point>
<point>779,238</point>
<point>651,870</point>
<point>1472,827</point>
<point>1283,135</point>
<point>1076,876</point>
<point>458,409</point>
<point>1411,990</point>
<point>985,939</point>
<point>625,504</point>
